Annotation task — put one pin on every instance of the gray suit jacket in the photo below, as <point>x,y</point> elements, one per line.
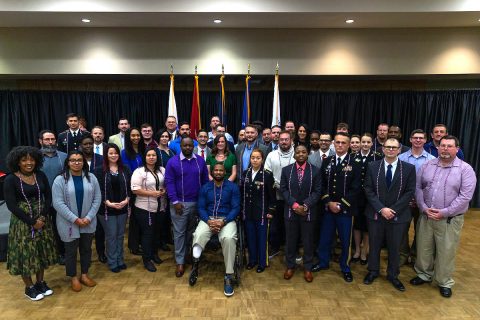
<point>64,202</point>
<point>317,160</point>
<point>207,151</point>
<point>397,197</point>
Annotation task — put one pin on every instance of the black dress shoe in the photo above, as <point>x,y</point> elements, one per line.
<point>102,258</point>
<point>317,267</point>
<point>115,270</point>
<point>61,260</point>
<point>194,273</point>
<point>418,281</point>
<point>157,259</point>
<point>250,266</point>
<point>445,292</point>
<point>370,277</point>
<point>136,252</point>
<point>123,266</point>
<point>347,276</point>
<point>165,247</point>
<point>354,260</point>
<point>150,266</point>
<point>260,269</point>
<point>397,284</point>
<point>363,262</point>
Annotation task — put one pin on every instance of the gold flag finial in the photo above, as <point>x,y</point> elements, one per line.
<point>223,69</point>
<point>248,69</point>
<point>276,69</point>
<point>195,69</point>
<point>171,69</point>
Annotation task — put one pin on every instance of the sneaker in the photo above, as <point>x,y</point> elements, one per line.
<point>273,254</point>
<point>33,294</point>
<point>43,288</point>
<point>227,286</point>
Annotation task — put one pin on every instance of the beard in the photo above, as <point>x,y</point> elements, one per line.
<point>48,149</point>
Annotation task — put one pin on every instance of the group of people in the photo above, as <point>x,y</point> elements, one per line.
<point>294,187</point>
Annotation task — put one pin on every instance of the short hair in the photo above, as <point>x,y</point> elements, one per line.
<point>394,139</point>
<point>86,136</point>
<point>285,132</point>
<point>170,116</point>
<point>71,115</point>
<point>440,125</point>
<point>202,130</point>
<point>383,124</point>
<point>122,119</point>
<point>276,126</point>
<point>325,133</point>
<point>146,125</point>
<point>287,121</point>
<point>343,134</point>
<point>220,125</point>
<point>267,128</point>
<point>418,131</point>
<point>259,124</point>
<point>185,138</point>
<point>17,153</point>
<point>184,123</point>
<point>250,125</point>
<point>450,137</point>
<point>215,116</point>
<point>343,125</point>
<point>355,136</point>
<point>41,133</point>
<point>98,127</point>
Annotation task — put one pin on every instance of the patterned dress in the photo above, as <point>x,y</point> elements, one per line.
<point>29,250</point>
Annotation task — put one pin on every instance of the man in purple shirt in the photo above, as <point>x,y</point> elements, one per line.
<point>184,176</point>
<point>445,186</point>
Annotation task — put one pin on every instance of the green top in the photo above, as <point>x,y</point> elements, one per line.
<point>228,163</point>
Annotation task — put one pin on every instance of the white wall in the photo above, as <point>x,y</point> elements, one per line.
<point>50,51</point>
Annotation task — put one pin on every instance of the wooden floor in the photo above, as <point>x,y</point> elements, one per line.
<point>137,294</point>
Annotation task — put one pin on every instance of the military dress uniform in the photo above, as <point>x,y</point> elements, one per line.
<point>360,221</point>
<point>258,199</point>
<point>67,141</point>
<point>341,182</point>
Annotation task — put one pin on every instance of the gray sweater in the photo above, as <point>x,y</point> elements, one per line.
<point>64,202</point>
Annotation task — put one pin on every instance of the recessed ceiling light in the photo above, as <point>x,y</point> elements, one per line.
<point>85,20</point>
<point>349,21</point>
<point>217,21</point>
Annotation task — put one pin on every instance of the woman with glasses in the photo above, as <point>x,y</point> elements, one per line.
<point>76,198</point>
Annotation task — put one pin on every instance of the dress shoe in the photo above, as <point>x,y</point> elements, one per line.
<point>363,261</point>
<point>317,267</point>
<point>156,259</point>
<point>397,284</point>
<point>115,270</point>
<point>370,277</point>
<point>260,269</point>
<point>194,273</point>
<point>61,260</point>
<point>445,292</point>
<point>136,252</point>
<point>250,266</point>
<point>165,247</point>
<point>122,266</point>
<point>288,274</point>
<point>180,270</point>
<point>355,259</point>
<point>149,266</point>
<point>418,281</point>
<point>86,280</point>
<point>308,276</point>
<point>347,276</point>
<point>76,285</point>
<point>102,258</point>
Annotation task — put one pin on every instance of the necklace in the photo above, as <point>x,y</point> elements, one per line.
<point>110,173</point>
<point>30,210</point>
<point>216,206</point>
<point>199,174</point>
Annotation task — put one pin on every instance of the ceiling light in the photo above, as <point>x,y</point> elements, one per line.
<point>349,21</point>
<point>85,20</point>
<point>217,21</point>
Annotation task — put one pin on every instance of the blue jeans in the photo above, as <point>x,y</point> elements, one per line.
<point>114,228</point>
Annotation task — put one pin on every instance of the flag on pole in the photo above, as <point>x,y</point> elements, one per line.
<point>246,102</point>
<point>172,105</point>
<point>276,103</point>
<point>222,111</point>
<point>195,123</point>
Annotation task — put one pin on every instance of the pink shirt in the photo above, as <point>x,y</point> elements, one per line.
<point>447,188</point>
<point>142,179</point>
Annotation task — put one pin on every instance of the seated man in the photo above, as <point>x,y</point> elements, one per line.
<point>218,206</point>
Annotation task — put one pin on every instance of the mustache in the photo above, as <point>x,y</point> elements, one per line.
<point>46,148</point>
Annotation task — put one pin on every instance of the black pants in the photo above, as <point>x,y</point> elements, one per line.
<point>295,230</point>
<point>379,230</point>
<point>84,245</point>
<point>133,229</point>
<point>162,229</point>
<point>277,228</point>
<point>58,240</point>
<point>147,223</point>
<point>100,239</point>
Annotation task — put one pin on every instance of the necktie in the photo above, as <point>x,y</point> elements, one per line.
<point>97,149</point>
<point>388,177</point>
<point>300,175</point>
<point>364,158</point>
<point>74,134</point>
<point>276,147</point>
<point>324,156</point>
<point>339,161</point>
<point>203,153</point>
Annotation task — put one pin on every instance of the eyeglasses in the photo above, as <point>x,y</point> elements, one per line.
<point>75,160</point>
<point>391,147</point>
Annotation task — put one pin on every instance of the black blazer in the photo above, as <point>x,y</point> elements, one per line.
<point>397,197</point>
<point>342,183</point>
<point>308,193</point>
<point>257,194</point>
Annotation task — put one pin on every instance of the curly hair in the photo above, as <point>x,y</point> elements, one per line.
<point>17,153</point>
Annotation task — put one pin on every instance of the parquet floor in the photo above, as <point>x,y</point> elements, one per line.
<point>137,294</point>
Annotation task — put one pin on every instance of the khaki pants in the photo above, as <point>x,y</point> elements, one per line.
<point>227,237</point>
<point>437,243</point>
